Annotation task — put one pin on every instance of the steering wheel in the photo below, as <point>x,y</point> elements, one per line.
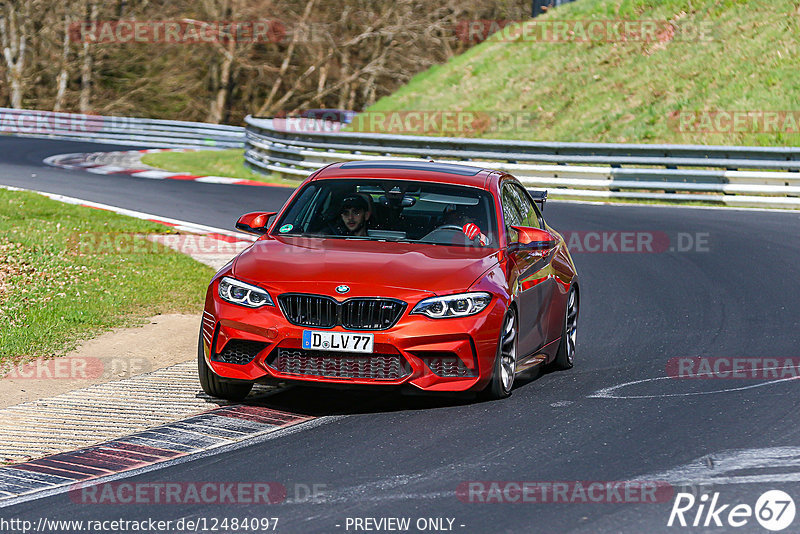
<point>445,229</point>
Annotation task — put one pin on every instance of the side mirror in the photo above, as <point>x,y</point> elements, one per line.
<point>535,238</point>
<point>539,197</point>
<point>255,222</point>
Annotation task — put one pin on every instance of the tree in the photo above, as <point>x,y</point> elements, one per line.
<point>330,54</point>
<point>14,35</point>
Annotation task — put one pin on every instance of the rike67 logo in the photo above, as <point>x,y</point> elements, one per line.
<point>774,510</point>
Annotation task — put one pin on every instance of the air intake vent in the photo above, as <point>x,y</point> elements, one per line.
<point>325,364</point>
<point>449,366</point>
<point>239,351</point>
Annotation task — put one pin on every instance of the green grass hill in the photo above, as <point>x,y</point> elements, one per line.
<point>704,59</point>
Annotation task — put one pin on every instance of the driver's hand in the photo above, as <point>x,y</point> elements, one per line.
<point>471,230</point>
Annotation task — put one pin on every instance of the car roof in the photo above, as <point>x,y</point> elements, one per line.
<point>429,171</point>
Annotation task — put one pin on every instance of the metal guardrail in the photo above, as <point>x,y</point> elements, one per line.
<point>119,130</point>
<point>730,175</point>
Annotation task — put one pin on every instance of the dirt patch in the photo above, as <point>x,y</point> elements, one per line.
<point>166,340</point>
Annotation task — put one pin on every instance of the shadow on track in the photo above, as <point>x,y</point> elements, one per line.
<point>320,401</point>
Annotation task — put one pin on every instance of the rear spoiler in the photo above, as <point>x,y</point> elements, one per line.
<point>539,197</point>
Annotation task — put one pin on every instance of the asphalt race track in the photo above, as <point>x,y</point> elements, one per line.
<point>380,455</point>
<point>21,158</point>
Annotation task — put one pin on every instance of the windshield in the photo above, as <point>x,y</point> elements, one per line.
<point>393,210</point>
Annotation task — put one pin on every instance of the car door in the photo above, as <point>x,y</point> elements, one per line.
<point>534,288</point>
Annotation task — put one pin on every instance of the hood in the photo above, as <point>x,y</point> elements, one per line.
<point>370,268</point>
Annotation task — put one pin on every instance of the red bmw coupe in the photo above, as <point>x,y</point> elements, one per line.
<point>426,275</point>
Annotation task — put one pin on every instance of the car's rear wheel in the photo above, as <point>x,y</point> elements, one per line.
<point>215,386</point>
<point>565,357</point>
<point>505,364</point>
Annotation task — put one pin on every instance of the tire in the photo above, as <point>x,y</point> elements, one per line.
<point>505,362</point>
<point>565,357</point>
<point>213,385</point>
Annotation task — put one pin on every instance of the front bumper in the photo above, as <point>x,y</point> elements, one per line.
<point>454,354</point>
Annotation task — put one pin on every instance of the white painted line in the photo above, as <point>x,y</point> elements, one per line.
<point>217,180</point>
<point>611,392</point>
<point>156,175</point>
<point>106,169</point>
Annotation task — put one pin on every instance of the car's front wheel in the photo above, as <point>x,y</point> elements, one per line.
<point>565,358</point>
<point>215,386</point>
<point>505,364</point>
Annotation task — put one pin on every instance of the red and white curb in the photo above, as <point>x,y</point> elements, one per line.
<point>215,429</point>
<point>129,162</point>
<point>102,412</point>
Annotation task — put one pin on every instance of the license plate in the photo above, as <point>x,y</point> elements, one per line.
<point>338,341</point>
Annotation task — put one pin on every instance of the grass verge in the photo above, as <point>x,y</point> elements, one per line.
<point>56,291</point>
<point>228,163</point>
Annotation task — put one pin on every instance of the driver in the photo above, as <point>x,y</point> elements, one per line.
<point>458,217</point>
<point>355,214</point>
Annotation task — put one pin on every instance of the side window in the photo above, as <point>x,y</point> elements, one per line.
<point>511,215</point>
<point>527,209</point>
<point>536,210</point>
<point>302,208</point>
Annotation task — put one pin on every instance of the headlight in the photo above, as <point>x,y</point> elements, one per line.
<point>243,294</point>
<point>460,305</point>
